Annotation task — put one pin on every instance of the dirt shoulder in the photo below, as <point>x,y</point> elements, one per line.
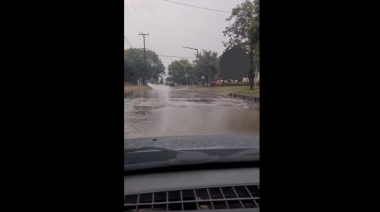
<point>129,88</point>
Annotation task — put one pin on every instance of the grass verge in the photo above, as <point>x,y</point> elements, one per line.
<point>128,88</point>
<point>226,90</point>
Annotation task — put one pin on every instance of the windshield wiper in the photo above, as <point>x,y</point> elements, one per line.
<point>138,149</point>
<point>185,158</point>
<point>180,158</point>
<point>253,151</point>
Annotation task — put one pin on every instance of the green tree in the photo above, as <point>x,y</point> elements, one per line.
<point>129,74</point>
<point>207,64</point>
<point>155,68</point>
<point>244,32</point>
<point>180,71</point>
<point>254,38</point>
<point>134,57</point>
<point>135,66</point>
<point>237,31</point>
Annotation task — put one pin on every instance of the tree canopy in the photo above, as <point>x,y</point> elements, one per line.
<point>254,34</point>
<point>238,31</point>
<point>180,70</point>
<point>135,68</point>
<point>244,32</point>
<point>207,64</point>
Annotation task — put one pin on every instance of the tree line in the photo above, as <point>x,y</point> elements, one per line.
<point>135,68</point>
<point>205,65</point>
<point>243,33</point>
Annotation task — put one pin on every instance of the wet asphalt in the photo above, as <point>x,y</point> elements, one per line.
<point>172,111</point>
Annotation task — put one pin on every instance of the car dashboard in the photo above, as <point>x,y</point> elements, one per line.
<point>234,190</point>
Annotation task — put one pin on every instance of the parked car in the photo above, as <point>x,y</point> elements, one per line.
<point>216,83</point>
<point>171,84</point>
<point>166,83</point>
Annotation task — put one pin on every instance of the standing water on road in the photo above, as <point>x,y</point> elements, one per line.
<point>171,111</point>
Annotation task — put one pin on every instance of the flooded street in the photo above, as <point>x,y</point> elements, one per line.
<point>172,111</point>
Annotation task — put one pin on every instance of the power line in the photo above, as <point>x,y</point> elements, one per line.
<point>128,44</point>
<point>132,23</point>
<point>132,18</point>
<point>198,7</point>
<point>139,16</point>
<point>181,25</point>
<point>174,56</point>
<point>128,41</point>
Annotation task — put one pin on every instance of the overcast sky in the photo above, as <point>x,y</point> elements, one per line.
<point>166,38</point>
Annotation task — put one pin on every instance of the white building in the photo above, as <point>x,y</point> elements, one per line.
<point>256,80</point>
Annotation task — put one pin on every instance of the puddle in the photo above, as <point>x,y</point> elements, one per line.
<point>166,111</point>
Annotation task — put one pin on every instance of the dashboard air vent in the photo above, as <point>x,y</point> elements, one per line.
<point>210,198</point>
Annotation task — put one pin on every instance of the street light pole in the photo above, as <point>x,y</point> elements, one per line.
<point>208,74</point>
<point>197,61</point>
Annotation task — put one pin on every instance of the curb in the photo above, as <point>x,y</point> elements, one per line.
<point>252,98</point>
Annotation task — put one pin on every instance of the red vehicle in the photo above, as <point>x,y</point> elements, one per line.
<point>216,83</point>
<point>171,84</point>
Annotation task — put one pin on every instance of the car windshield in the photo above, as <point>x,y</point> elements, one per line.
<point>191,75</point>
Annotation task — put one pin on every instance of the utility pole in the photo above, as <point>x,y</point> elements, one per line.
<point>144,57</point>
<point>197,61</point>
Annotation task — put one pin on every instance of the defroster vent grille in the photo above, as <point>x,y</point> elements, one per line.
<point>210,198</point>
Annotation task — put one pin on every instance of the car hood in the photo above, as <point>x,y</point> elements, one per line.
<point>197,142</point>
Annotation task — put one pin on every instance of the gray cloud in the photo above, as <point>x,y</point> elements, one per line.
<point>168,39</point>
